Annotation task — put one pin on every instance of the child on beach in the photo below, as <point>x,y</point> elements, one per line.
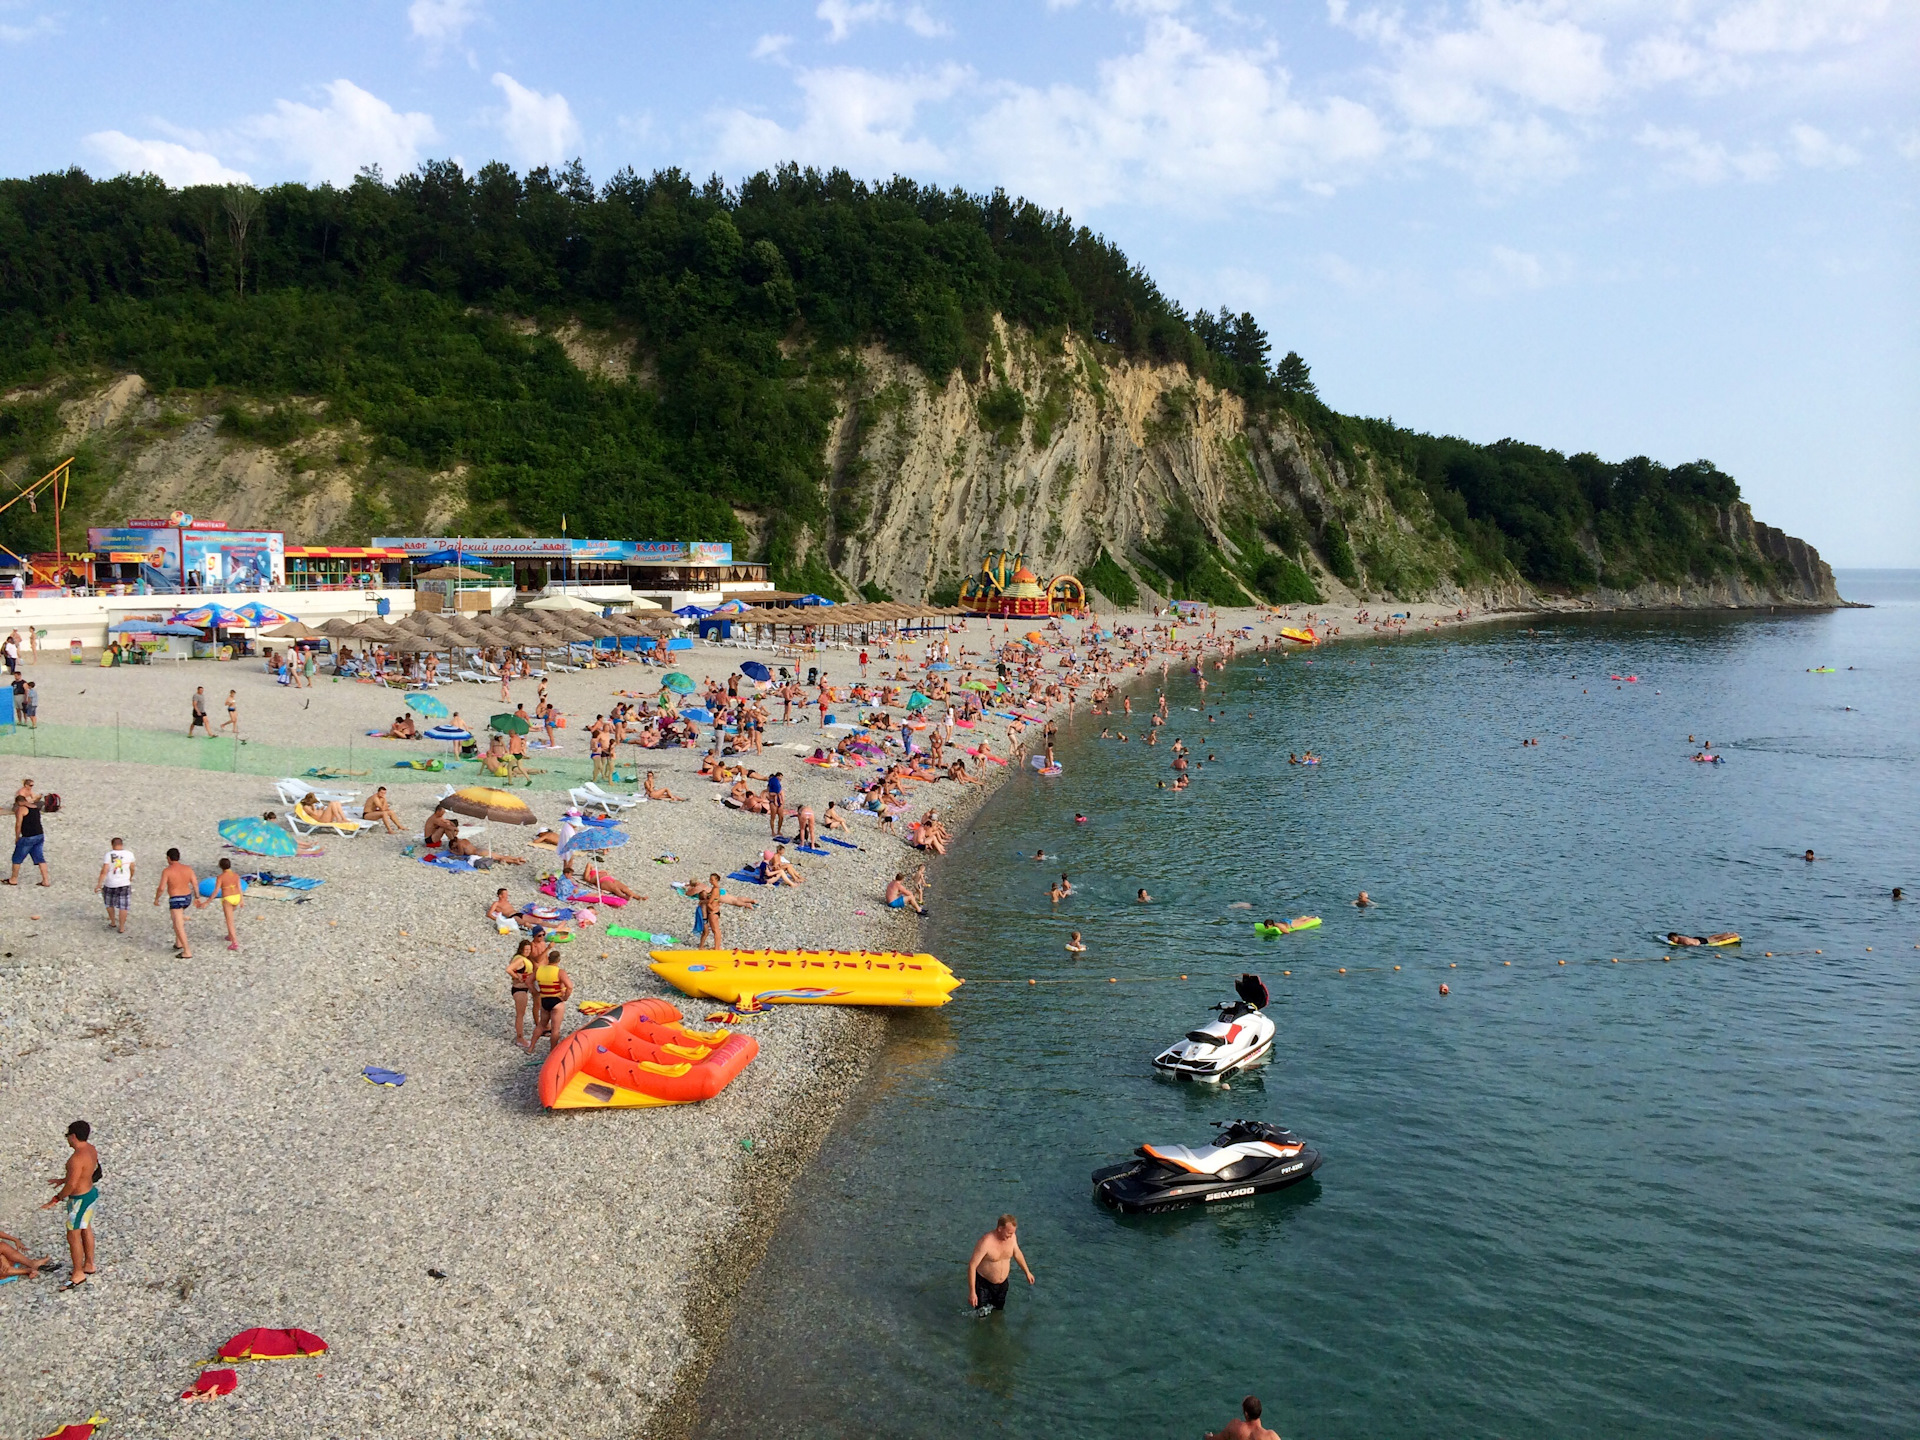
<point>226,890</point>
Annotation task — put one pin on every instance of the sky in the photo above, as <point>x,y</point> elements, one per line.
<point>1679,228</point>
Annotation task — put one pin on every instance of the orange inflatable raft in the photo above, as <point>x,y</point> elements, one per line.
<point>1303,637</point>
<point>640,1054</point>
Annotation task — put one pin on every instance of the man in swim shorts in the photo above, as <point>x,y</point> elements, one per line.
<point>182,889</point>
<point>900,894</point>
<point>990,1267</point>
<point>79,1188</point>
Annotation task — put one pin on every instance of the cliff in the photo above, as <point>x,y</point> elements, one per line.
<point>1075,460</point>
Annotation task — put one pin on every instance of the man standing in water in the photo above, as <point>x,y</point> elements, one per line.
<point>1246,1428</point>
<point>991,1266</point>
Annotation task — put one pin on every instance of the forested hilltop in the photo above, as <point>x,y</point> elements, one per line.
<point>867,383</point>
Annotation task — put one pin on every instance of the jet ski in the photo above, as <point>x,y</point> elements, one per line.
<point>1240,1036</point>
<point>1246,1157</point>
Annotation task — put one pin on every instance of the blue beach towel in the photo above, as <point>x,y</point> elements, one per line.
<point>843,844</point>
<point>746,877</point>
<point>376,1076</point>
<point>809,850</point>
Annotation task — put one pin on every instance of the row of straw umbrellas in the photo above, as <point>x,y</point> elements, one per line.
<point>424,631</point>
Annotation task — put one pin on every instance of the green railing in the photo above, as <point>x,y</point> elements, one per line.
<point>128,745</point>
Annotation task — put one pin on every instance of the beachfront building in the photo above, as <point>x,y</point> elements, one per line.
<point>185,555</point>
<point>670,573</point>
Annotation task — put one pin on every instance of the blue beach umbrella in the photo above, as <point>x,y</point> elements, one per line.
<point>754,670</point>
<point>917,702</point>
<point>940,665</point>
<point>422,703</point>
<point>257,837</point>
<point>699,714</point>
<point>680,684</point>
<point>692,612</point>
<point>813,600</point>
<point>594,838</point>
<point>448,732</point>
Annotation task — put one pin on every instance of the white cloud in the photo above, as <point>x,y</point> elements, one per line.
<point>1508,271</point>
<point>1819,151</point>
<point>174,163</point>
<point>20,34</point>
<point>1908,145</point>
<point>771,47</point>
<point>1689,156</point>
<point>442,22</point>
<point>540,129</point>
<point>843,17</point>
<point>1178,118</point>
<point>1760,27</point>
<point>849,117</point>
<point>353,130</point>
<point>1520,50</point>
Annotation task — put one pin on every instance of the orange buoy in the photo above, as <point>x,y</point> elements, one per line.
<point>1396,967</point>
<point>1563,962</point>
<point>1033,982</point>
<point>1444,990</point>
<point>1343,969</point>
<point>1113,980</point>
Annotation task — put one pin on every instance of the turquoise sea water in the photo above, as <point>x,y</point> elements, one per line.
<point>1674,1199</point>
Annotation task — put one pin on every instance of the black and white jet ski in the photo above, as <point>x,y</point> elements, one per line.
<point>1247,1157</point>
<point>1241,1036</point>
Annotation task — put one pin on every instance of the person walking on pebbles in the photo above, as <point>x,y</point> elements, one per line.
<point>79,1188</point>
<point>990,1267</point>
<point>115,883</point>
<point>29,835</point>
<point>182,889</point>
<point>199,720</point>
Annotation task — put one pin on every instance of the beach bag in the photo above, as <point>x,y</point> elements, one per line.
<point>50,804</point>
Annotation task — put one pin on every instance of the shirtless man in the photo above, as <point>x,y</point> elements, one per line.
<point>900,895</point>
<point>444,828</point>
<point>990,1266</point>
<point>78,1188</point>
<point>378,807</point>
<point>503,909</point>
<point>1246,1428</point>
<point>182,889</point>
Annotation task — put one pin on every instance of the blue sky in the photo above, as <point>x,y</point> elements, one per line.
<point>1682,228</point>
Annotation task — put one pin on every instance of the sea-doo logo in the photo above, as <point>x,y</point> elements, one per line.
<point>1230,1194</point>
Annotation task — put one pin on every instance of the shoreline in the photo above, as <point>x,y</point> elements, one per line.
<point>255,1178</point>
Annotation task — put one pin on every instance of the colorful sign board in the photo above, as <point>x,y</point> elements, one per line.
<point>600,552</point>
<point>218,559</point>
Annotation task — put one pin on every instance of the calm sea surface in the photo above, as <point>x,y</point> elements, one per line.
<point>1595,1199</point>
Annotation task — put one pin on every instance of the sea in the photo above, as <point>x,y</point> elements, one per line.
<point>1601,1188</point>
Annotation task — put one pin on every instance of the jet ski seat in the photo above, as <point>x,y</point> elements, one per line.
<point>1251,989</point>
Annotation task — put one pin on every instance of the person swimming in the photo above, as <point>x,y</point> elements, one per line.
<point>1075,946</point>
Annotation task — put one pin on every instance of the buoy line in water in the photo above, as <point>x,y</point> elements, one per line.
<point>1393,969</point>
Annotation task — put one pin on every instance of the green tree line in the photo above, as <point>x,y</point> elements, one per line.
<point>393,303</point>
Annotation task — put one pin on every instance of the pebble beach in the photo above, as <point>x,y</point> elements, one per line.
<point>477,1265</point>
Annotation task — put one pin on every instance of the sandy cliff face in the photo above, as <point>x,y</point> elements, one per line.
<point>927,479</point>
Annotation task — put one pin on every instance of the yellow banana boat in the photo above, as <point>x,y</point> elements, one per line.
<point>751,978</point>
